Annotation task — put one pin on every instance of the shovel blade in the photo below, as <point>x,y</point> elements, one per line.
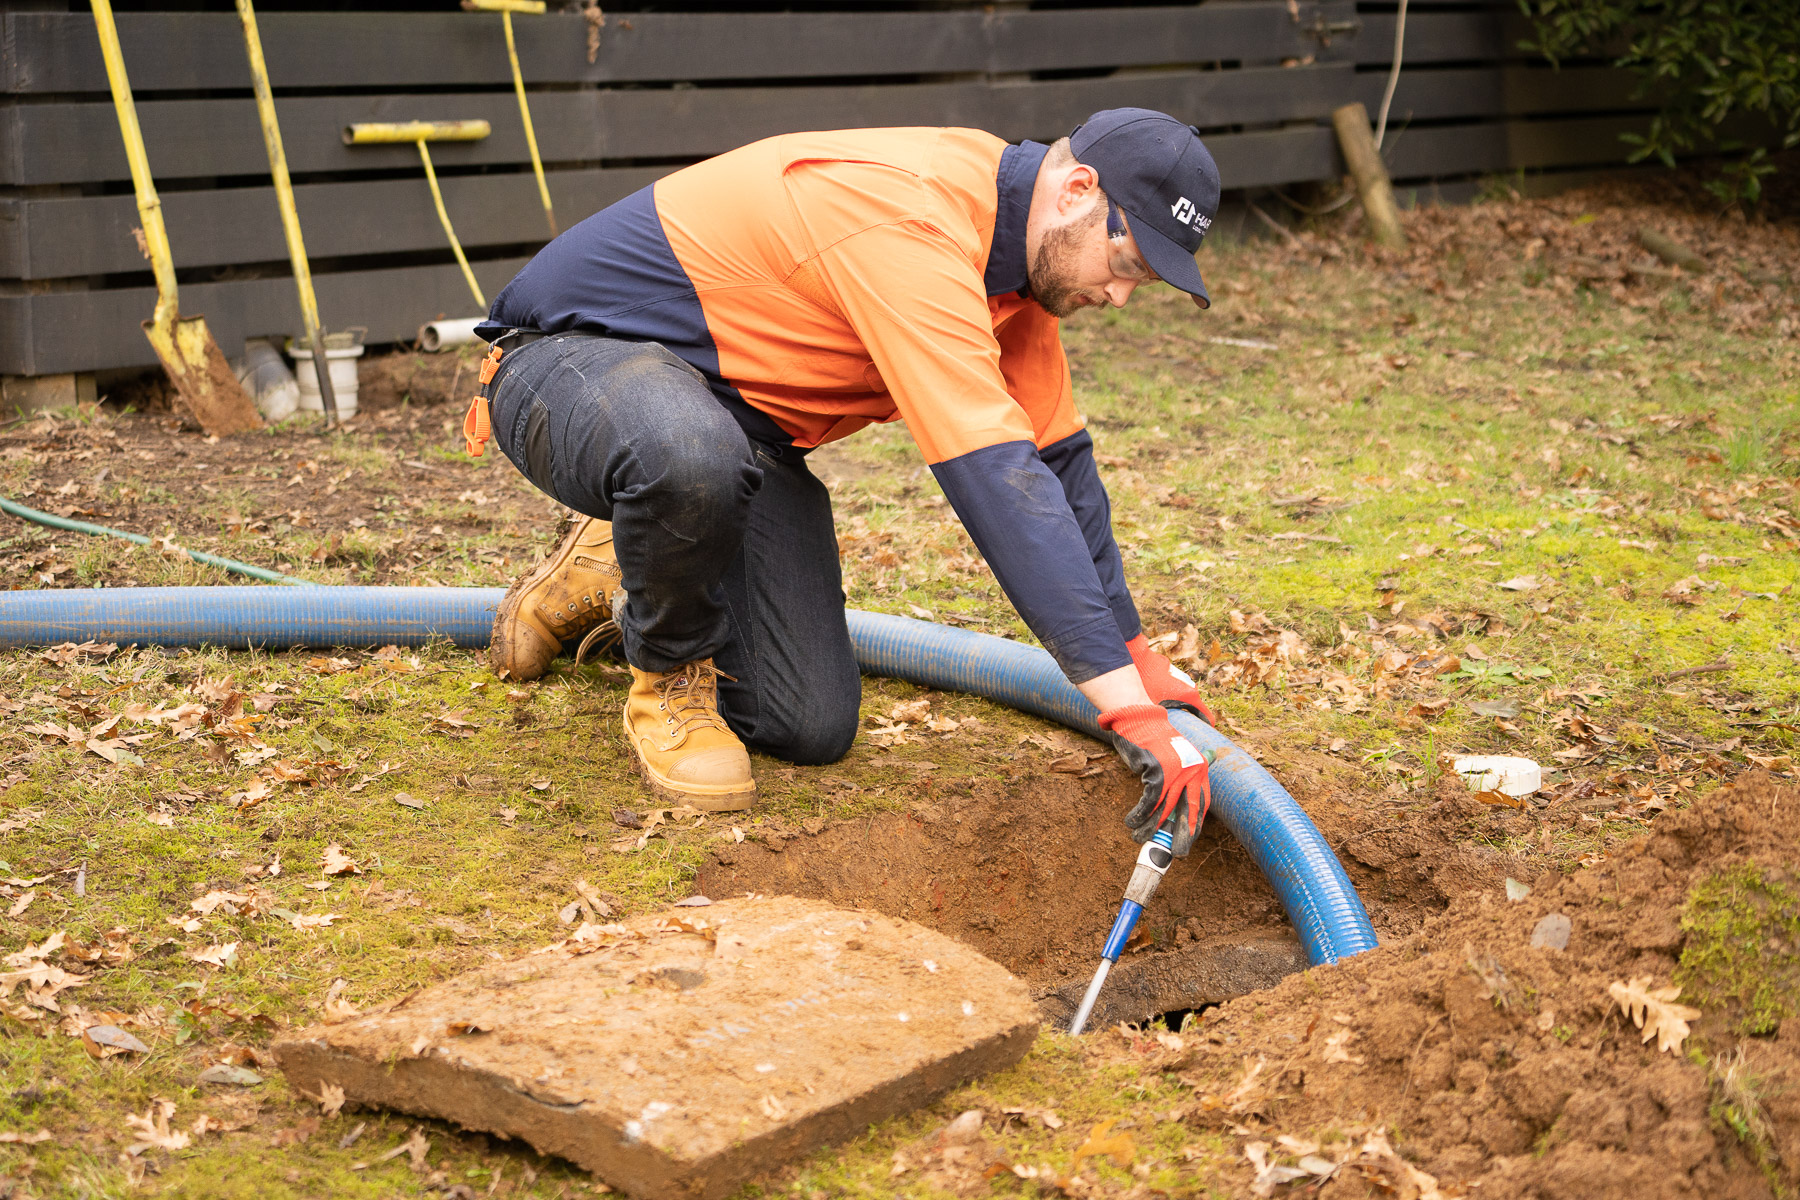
<point>206,390</point>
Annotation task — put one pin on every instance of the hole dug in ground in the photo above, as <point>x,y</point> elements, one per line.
<point>1030,872</point>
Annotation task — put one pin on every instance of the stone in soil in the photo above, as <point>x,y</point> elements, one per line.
<point>678,1055</point>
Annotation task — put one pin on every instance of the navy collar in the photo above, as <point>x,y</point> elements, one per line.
<point>1007,269</point>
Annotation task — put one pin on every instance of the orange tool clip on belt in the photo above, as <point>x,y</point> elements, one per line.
<point>477,429</point>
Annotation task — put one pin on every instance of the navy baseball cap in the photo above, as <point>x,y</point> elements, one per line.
<point>1157,170</point>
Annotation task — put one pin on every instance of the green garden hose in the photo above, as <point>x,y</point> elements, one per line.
<point>199,556</point>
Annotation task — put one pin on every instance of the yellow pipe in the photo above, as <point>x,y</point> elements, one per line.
<point>419,132</point>
<point>437,198</point>
<point>387,132</point>
<point>156,234</point>
<point>537,163</point>
<point>505,6</point>
<point>284,198</point>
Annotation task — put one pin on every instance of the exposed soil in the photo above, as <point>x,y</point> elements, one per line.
<point>1509,1067</point>
<point>276,495</point>
<point>1030,872</point>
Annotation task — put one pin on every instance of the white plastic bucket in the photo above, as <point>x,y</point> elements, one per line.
<point>271,386</point>
<point>341,352</point>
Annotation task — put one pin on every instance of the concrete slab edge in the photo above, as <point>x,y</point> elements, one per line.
<point>437,1086</point>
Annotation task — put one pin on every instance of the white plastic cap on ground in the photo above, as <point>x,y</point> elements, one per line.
<point>1500,773</point>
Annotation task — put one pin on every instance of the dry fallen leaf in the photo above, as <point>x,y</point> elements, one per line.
<point>305,921</point>
<point>1103,1143</point>
<point>910,710</point>
<point>335,862</point>
<point>1654,1011</point>
<point>1335,1051</point>
<point>153,1129</point>
<point>330,1098</point>
<point>231,902</point>
<point>336,1007</point>
<point>221,956</point>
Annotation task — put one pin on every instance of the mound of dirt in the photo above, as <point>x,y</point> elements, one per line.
<point>1507,1064</point>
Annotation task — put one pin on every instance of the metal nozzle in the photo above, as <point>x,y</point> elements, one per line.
<point>1093,994</point>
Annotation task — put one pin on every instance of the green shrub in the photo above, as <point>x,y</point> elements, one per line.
<point>1711,64</point>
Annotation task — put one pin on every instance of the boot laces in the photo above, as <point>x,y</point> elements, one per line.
<point>599,639</point>
<point>690,695</point>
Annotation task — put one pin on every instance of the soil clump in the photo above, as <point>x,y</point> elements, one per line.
<point>1507,1065</point>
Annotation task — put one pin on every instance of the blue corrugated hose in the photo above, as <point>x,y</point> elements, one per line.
<point>1257,810</point>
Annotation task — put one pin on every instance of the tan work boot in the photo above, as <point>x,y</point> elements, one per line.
<point>563,598</point>
<point>681,744</point>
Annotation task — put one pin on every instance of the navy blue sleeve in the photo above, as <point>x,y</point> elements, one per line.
<point>1018,514</point>
<point>1072,459</point>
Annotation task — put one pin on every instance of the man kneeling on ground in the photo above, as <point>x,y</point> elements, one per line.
<point>664,367</point>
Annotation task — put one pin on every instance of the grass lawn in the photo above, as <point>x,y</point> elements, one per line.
<point>1495,495</point>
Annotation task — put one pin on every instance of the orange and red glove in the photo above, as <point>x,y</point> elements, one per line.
<point>1173,770</point>
<point>1166,683</point>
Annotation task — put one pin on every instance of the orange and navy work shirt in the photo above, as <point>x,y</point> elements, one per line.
<point>824,281</point>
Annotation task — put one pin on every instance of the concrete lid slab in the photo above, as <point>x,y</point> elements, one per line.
<point>677,1055</point>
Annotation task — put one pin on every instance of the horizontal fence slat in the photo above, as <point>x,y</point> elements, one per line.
<point>69,237</point>
<point>79,142</point>
<point>1509,91</point>
<point>59,53</point>
<point>1443,37</point>
<point>86,331</point>
<point>66,237</point>
<point>1511,145</point>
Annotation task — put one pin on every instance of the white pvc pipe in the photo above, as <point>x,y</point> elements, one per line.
<point>439,334</point>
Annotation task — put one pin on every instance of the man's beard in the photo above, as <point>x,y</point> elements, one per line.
<point>1054,263</point>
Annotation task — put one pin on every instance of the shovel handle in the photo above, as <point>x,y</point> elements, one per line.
<point>156,234</point>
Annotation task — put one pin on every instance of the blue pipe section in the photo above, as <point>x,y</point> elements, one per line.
<point>245,618</point>
<point>1257,810</point>
<point>1123,924</point>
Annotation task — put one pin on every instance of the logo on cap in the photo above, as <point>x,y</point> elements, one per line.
<point>1185,212</point>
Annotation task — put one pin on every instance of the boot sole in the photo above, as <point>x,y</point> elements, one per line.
<point>728,801</point>
<point>513,600</point>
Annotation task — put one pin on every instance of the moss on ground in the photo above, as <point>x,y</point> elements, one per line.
<point>1395,454</point>
<point>1742,951</point>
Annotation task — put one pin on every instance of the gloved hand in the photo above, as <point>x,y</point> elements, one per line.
<point>1173,770</point>
<point>1167,683</point>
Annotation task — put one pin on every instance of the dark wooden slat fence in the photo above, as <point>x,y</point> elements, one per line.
<point>1259,77</point>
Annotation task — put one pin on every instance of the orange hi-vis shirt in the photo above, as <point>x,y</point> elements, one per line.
<point>824,281</point>
<point>841,275</point>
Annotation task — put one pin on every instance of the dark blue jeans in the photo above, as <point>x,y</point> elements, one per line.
<point>726,544</point>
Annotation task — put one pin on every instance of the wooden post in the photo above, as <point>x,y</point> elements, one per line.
<point>1372,184</point>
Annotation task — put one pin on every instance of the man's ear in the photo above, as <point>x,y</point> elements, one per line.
<point>1078,188</point>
